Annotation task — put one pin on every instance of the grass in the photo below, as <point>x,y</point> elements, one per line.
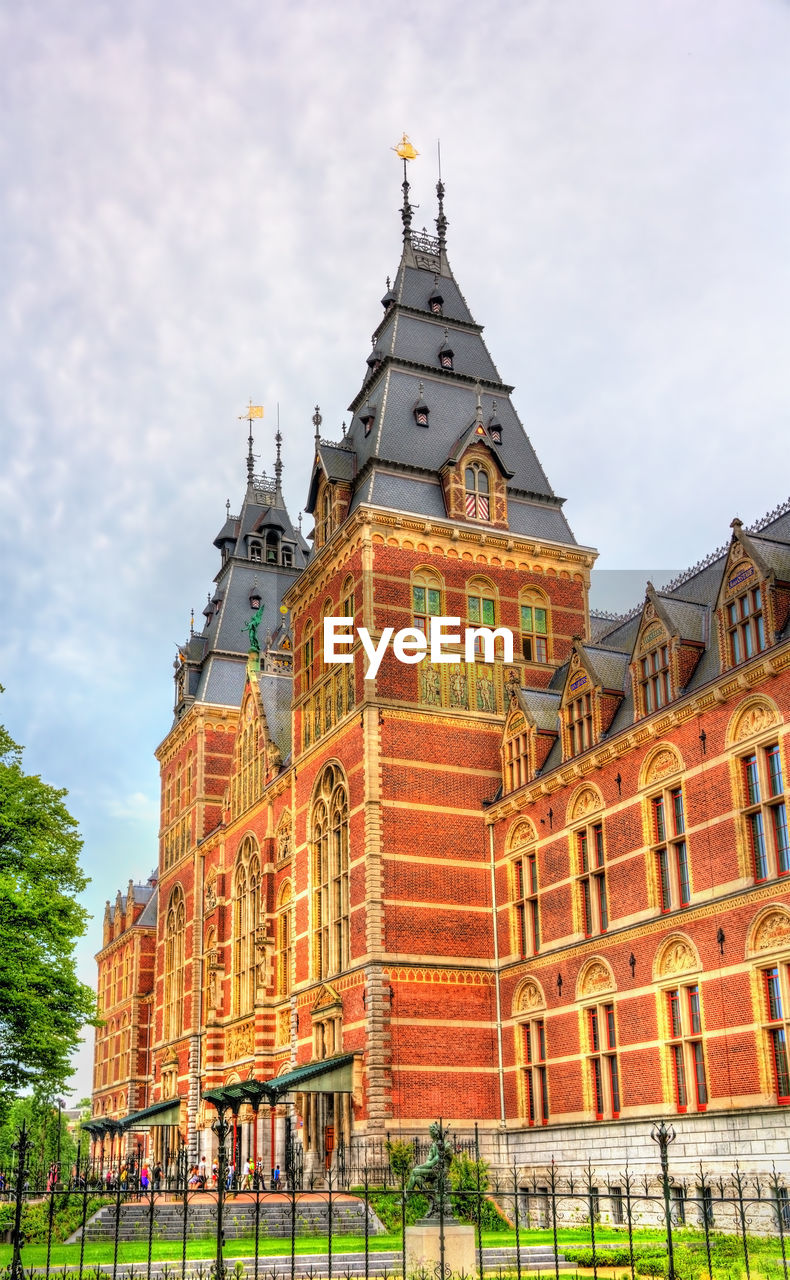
<point>765,1258</point>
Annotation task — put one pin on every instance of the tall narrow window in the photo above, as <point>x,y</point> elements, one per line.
<point>654,679</point>
<point>745,627</point>
<point>670,852</point>
<point>775,980</point>
<point>591,879</point>
<point>284,941</point>
<point>309,656</point>
<point>175,937</point>
<point>481,608</point>
<point>426,599</point>
<point>525,893</point>
<point>478,487</point>
<point>347,599</point>
<point>765,812</point>
<point>534,1071</point>
<point>579,719</point>
<point>534,630</point>
<point>246,918</point>
<point>330,875</point>
<point>684,1026</point>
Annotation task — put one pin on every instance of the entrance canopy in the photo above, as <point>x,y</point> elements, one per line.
<point>329,1075</point>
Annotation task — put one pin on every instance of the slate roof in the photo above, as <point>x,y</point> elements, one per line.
<point>541,707</point>
<point>147,917</point>
<point>396,465</point>
<point>276,693</point>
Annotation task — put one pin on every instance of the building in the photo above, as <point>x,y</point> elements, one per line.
<point>549,895</point>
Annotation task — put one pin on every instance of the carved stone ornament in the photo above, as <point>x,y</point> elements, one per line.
<point>284,836</point>
<point>773,932</point>
<point>596,978</point>
<point>239,1041</point>
<point>528,998</point>
<point>663,762</point>
<point>274,756</point>
<point>737,552</point>
<point>586,802</point>
<point>678,958</point>
<point>754,720</point>
<point>649,612</point>
<point>523,832</point>
<point>211,894</point>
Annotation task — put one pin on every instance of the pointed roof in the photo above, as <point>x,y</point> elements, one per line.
<point>397,463</point>
<point>215,659</point>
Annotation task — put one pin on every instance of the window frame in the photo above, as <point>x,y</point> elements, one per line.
<point>685,1046</point>
<point>668,841</point>
<point>775,999</point>
<point>531,637</point>
<point>589,851</point>
<point>525,900</point>
<point>477,498</point>
<point>764,802</point>
<point>654,680</point>
<point>603,1065</point>
<point>533,1056</point>
<point>744,627</point>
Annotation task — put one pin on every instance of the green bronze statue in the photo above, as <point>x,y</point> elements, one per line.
<point>432,1177</point>
<point>252,627</point>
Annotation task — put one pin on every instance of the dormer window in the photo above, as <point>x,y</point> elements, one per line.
<point>495,427</point>
<point>374,360</point>
<point>366,417</point>
<point>478,487</point>
<point>421,411</point>
<point>446,354</point>
<point>272,548</point>
<point>654,679</point>
<point>256,550</point>
<point>287,556</point>
<point>745,627</point>
<point>436,301</point>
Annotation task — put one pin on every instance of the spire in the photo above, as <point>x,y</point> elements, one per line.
<point>441,221</point>
<point>278,465</point>
<point>406,152</point>
<point>317,420</point>
<point>250,457</point>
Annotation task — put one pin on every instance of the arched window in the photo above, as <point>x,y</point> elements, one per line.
<point>323,523</point>
<point>330,874</point>
<point>478,487</point>
<point>426,598</point>
<point>347,598</point>
<point>481,608</point>
<point>246,913</point>
<point>534,618</point>
<point>175,937</point>
<point>256,551</point>
<point>284,941</point>
<point>309,654</point>
<point>272,547</point>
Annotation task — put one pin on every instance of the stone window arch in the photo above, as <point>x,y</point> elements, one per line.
<point>246,918</point>
<point>330,873</point>
<point>175,955</point>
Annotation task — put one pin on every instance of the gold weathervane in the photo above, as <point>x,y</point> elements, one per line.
<point>252,411</point>
<point>405,149</point>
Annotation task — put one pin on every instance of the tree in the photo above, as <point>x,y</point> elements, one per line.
<point>43,1005</point>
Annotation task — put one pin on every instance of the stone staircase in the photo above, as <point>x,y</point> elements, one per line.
<point>238,1219</point>
<point>535,1259</point>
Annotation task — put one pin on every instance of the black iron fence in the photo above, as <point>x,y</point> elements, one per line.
<point>357,1224</point>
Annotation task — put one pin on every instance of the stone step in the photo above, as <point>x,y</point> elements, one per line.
<point>534,1258</point>
<point>274,1219</point>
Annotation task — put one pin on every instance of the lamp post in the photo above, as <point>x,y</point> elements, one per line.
<point>61,1105</point>
<point>663,1135</point>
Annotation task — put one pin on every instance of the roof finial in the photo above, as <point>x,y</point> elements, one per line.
<point>441,221</point>
<point>192,622</point>
<point>343,429</point>
<point>278,465</point>
<point>317,420</point>
<point>406,152</point>
<point>478,390</point>
<point>227,508</point>
<point>252,411</point>
<point>301,513</point>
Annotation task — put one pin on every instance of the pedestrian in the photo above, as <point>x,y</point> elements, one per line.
<point>231,1173</point>
<point>157,1176</point>
<point>214,1172</point>
<point>145,1177</point>
<point>203,1173</point>
<point>276,1179</point>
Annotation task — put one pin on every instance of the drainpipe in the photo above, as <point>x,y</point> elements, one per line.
<point>496,979</point>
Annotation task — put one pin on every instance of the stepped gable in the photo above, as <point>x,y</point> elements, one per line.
<point>428,352</point>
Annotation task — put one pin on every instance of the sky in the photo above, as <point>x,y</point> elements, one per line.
<point>199,206</point>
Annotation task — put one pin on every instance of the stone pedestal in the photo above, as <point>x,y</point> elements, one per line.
<point>423,1247</point>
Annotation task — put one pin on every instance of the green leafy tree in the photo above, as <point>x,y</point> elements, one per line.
<point>43,1005</point>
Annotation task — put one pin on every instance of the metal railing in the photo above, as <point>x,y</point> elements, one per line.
<point>690,1225</point>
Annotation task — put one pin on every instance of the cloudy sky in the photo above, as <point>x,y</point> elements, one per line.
<point>199,205</point>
